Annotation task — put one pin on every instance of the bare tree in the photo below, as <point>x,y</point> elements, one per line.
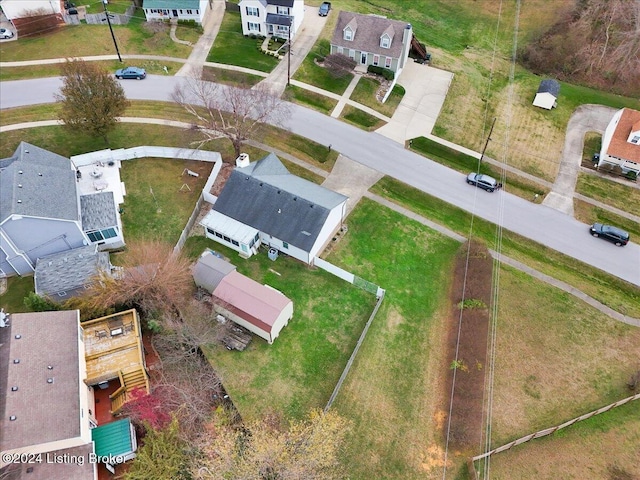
<point>339,65</point>
<point>234,113</point>
<point>154,278</point>
<point>308,449</point>
<point>91,98</point>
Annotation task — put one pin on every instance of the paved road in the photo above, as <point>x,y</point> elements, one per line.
<point>538,222</point>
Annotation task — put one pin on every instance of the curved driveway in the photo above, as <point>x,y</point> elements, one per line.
<point>535,221</point>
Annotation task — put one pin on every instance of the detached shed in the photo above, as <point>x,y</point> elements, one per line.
<point>261,309</point>
<point>210,270</point>
<point>547,94</point>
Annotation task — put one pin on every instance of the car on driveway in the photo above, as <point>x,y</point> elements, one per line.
<point>323,11</point>
<point>614,234</point>
<point>483,181</point>
<point>131,72</point>
<point>4,33</point>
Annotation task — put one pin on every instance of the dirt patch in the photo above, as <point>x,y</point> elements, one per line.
<point>221,179</point>
<point>468,334</point>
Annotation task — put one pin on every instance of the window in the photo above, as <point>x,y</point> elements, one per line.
<point>285,245</point>
<point>282,10</point>
<point>387,62</point>
<point>189,12</point>
<point>253,11</point>
<point>384,41</point>
<point>352,54</point>
<point>348,34</point>
<point>99,235</point>
<point>235,243</point>
<point>218,234</point>
<point>635,139</point>
<point>253,26</point>
<point>257,237</point>
<point>282,29</point>
<point>340,50</point>
<point>376,60</point>
<point>227,239</point>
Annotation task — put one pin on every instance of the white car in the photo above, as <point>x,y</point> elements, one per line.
<point>4,33</point>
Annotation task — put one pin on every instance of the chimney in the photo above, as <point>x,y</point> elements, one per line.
<point>243,160</point>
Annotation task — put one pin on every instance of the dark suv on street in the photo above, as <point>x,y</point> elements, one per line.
<point>613,234</point>
<point>483,181</point>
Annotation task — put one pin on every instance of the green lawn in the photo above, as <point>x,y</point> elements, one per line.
<point>230,77</point>
<point>301,368</point>
<point>233,48</point>
<point>365,93</point>
<point>310,99</point>
<point>360,118</point>
<point>626,198</point>
<point>607,289</point>
<point>13,299</point>
<point>313,74</point>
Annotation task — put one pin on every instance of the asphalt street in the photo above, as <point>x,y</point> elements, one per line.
<point>545,225</point>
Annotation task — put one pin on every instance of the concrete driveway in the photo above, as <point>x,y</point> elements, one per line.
<point>426,89</point>
<point>586,118</point>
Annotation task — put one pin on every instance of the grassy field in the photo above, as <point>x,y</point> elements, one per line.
<point>301,368</point>
<point>313,74</point>
<point>230,77</point>
<point>310,99</point>
<point>17,289</point>
<point>233,48</point>
<point>588,213</point>
<point>617,294</point>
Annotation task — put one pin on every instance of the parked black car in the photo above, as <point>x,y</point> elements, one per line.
<point>613,234</point>
<point>483,181</point>
<point>323,11</point>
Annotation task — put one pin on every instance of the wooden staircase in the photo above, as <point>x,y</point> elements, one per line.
<point>129,380</point>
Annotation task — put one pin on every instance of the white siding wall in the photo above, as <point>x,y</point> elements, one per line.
<point>333,223</point>
<point>260,19</point>
<point>282,321</point>
<point>21,8</point>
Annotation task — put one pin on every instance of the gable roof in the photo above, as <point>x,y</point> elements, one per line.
<point>97,211</point>
<point>209,270</point>
<point>619,147</point>
<point>45,412</point>
<point>549,85</point>
<point>68,272</point>
<point>267,197</point>
<point>281,3</point>
<point>38,183</point>
<point>275,19</point>
<point>367,32</point>
<point>169,4</point>
<point>260,304</point>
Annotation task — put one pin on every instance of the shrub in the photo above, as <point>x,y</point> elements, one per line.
<point>631,175</point>
<point>385,72</point>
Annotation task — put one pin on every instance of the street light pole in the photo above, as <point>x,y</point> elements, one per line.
<point>289,54</point>
<point>104,2</point>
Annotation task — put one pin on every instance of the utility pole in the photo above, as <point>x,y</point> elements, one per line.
<point>289,53</point>
<point>104,2</point>
<point>488,138</point>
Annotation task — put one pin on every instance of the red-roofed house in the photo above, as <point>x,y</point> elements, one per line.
<point>621,141</point>
<point>259,308</point>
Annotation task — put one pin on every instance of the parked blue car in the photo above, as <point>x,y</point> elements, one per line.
<point>131,72</point>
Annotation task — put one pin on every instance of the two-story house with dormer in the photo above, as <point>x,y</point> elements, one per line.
<point>372,40</point>
<point>271,17</point>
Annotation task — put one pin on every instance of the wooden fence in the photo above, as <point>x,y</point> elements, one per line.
<point>543,433</point>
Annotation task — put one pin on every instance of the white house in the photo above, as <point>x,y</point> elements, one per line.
<point>261,309</point>
<point>19,8</point>
<point>48,205</point>
<point>271,17</point>
<point>621,141</point>
<point>262,203</point>
<point>372,40</point>
<point>178,9</point>
<point>547,94</point>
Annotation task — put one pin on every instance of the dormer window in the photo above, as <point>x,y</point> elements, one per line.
<point>385,41</point>
<point>636,139</point>
<point>348,34</point>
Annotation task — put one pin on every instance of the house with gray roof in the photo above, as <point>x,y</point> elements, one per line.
<point>46,407</point>
<point>372,40</point>
<point>66,274</point>
<point>178,9</point>
<point>278,18</point>
<point>262,203</point>
<point>42,211</point>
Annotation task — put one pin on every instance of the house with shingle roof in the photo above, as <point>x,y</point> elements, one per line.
<point>43,211</point>
<point>46,407</point>
<point>278,18</point>
<point>178,9</point>
<point>67,274</point>
<point>372,40</point>
<point>621,141</point>
<point>262,203</point>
